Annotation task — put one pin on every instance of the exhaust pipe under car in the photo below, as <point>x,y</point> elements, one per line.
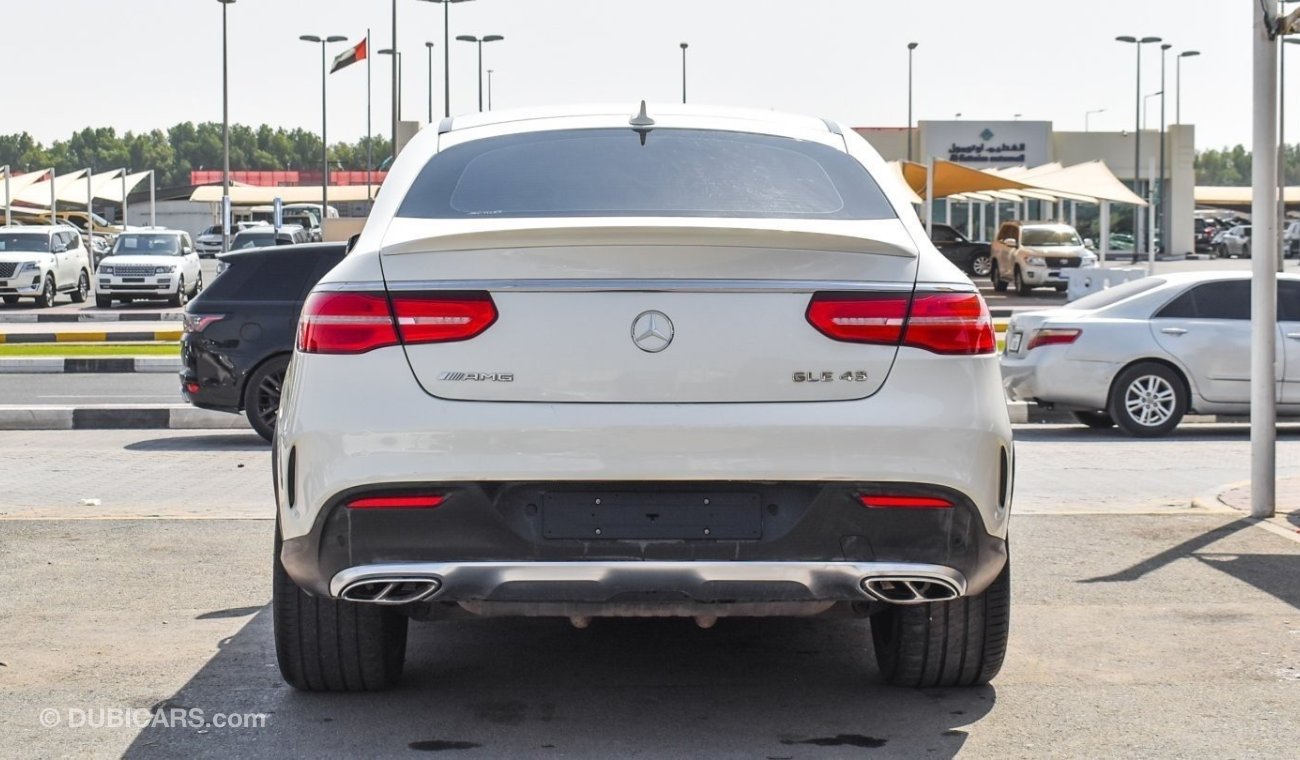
<point>391,590</point>
<point>910,589</point>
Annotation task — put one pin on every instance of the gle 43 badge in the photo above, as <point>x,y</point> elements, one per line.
<point>851,376</point>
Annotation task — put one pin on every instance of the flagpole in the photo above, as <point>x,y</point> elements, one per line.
<point>370,160</point>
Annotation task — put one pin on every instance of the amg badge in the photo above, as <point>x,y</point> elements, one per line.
<point>482,377</point>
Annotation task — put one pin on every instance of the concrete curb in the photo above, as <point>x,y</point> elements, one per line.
<point>88,365</point>
<point>29,318</point>
<point>116,417</point>
<point>152,336</point>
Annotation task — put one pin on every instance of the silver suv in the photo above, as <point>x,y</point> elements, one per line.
<point>1032,255</point>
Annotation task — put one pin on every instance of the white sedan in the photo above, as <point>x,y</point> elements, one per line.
<point>1143,354</point>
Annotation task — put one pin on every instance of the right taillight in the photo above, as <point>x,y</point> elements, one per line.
<point>944,323</point>
<point>353,323</point>
<point>1053,337</point>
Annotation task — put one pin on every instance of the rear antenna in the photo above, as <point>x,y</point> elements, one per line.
<point>641,119</point>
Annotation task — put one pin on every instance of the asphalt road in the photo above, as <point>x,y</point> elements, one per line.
<point>94,388</point>
<point>137,579</point>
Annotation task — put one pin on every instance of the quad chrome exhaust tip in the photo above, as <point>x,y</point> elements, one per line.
<point>911,589</point>
<point>391,590</point>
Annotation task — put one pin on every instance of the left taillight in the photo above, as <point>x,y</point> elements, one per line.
<point>944,323</point>
<point>1053,336</point>
<point>197,323</point>
<point>353,323</point>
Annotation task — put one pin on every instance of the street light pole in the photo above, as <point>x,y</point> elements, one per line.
<point>1178,83</point>
<point>397,90</point>
<point>910,47</point>
<point>225,134</point>
<point>1137,140</point>
<point>489,89</point>
<point>479,41</point>
<point>1161,220</point>
<point>324,121</point>
<point>684,46</point>
<point>446,52</point>
<point>398,58</point>
<point>1263,281</point>
<point>429,46</point>
<point>1282,152</point>
<point>1087,114</point>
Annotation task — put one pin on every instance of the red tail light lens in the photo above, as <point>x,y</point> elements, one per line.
<point>1053,337</point>
<point>859,317</point>
<point>951,323</point>
<point>891,501</point>
<point>345,323</point>
<point>353,323</point>
<point>409,501</point>
<point>945,323</point>
<point>443,317</point>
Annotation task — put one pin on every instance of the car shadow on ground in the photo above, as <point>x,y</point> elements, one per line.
<point>775,688</point>
<point>237,441</point>
<point>1184,434</point>
<point>1274,574</point>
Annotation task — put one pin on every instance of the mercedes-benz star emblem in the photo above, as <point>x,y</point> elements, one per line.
<point>652,331</point>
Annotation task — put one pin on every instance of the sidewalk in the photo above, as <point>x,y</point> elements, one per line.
<point>1237,496</point>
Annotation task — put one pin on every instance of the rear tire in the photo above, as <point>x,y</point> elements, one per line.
<point>1095,420</point>
<point>104,302</point>
<point>1021,288</point>
<point>83,288</point>
<point>960,642</point>
<point>1148,400</point>
<point>999,284</point>
<point>181,296</point>
<point>981,264</point>
<point>332,645</point>
<point>262,395</point>
<point>1245,251</point>
<point>11,300</point>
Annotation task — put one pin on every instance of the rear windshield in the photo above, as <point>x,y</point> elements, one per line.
<point>253,240</point>
<point>655,172</point>
<point>274,276</point>
<point>1103,298</point>
<point>20,241</point>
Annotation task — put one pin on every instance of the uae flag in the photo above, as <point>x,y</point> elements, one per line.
<point>349,57</point>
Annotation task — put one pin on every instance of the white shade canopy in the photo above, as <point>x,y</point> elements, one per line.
<point>38,193</point>
<point>20,182</point>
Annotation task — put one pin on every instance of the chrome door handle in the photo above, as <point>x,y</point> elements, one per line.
<point>1173,331</point>
<point>1293,336</point>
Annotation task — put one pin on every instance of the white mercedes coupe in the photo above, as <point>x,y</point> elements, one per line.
<point>642,361</point>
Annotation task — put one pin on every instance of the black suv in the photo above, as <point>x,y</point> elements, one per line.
<point>239,331</point>
<point>973,257</point>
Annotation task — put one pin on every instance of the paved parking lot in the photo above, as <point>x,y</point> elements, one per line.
<point>1141,627</point>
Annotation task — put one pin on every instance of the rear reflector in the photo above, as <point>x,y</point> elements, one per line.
<point>424,501</point>
<point>1052,337</point>
<point>353,323</point>
<point>889,501</point>
<point>944,323</point>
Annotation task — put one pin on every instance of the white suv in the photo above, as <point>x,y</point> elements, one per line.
<point>154,264</point>
<point>1031,255</point>
<point>41,261</point>
<point>675,361</point>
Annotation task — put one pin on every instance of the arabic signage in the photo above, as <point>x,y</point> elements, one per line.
<point>984,144</point>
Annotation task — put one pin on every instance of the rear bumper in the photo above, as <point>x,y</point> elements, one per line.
<point>495,543</point>
<point>1044,375</point>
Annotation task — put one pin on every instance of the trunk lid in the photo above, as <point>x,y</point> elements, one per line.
<point>658,311</point>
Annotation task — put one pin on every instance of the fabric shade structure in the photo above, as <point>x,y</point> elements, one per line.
<point>1239,198</point>
<point>75,192</point>
<point>1092,180</point>
<point>113,191</point>
<point>954,179</point>
<point>20,182</point>
<point>38,193</point>
<point>251,195</point>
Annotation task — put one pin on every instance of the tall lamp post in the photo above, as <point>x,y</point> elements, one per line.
<point>446,53</point>
<point>324,140</point>
<point>479,41</point>
<point>1137,43</point>
<point>490,88</point>
<point>429,46</point>
<point>1178,83</point>
<point>1162,221</point>
<point>397,57</point>
<point>225,134</point>
<point>1087,114</point>
<point>910,47</point>
<point>1282,149</point>
<point>683,46</point>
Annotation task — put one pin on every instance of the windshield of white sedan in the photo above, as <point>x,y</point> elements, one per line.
<point>1044,237</point>
<point>147,245</point>
<point>654,172</point>
<point>18,241</point>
